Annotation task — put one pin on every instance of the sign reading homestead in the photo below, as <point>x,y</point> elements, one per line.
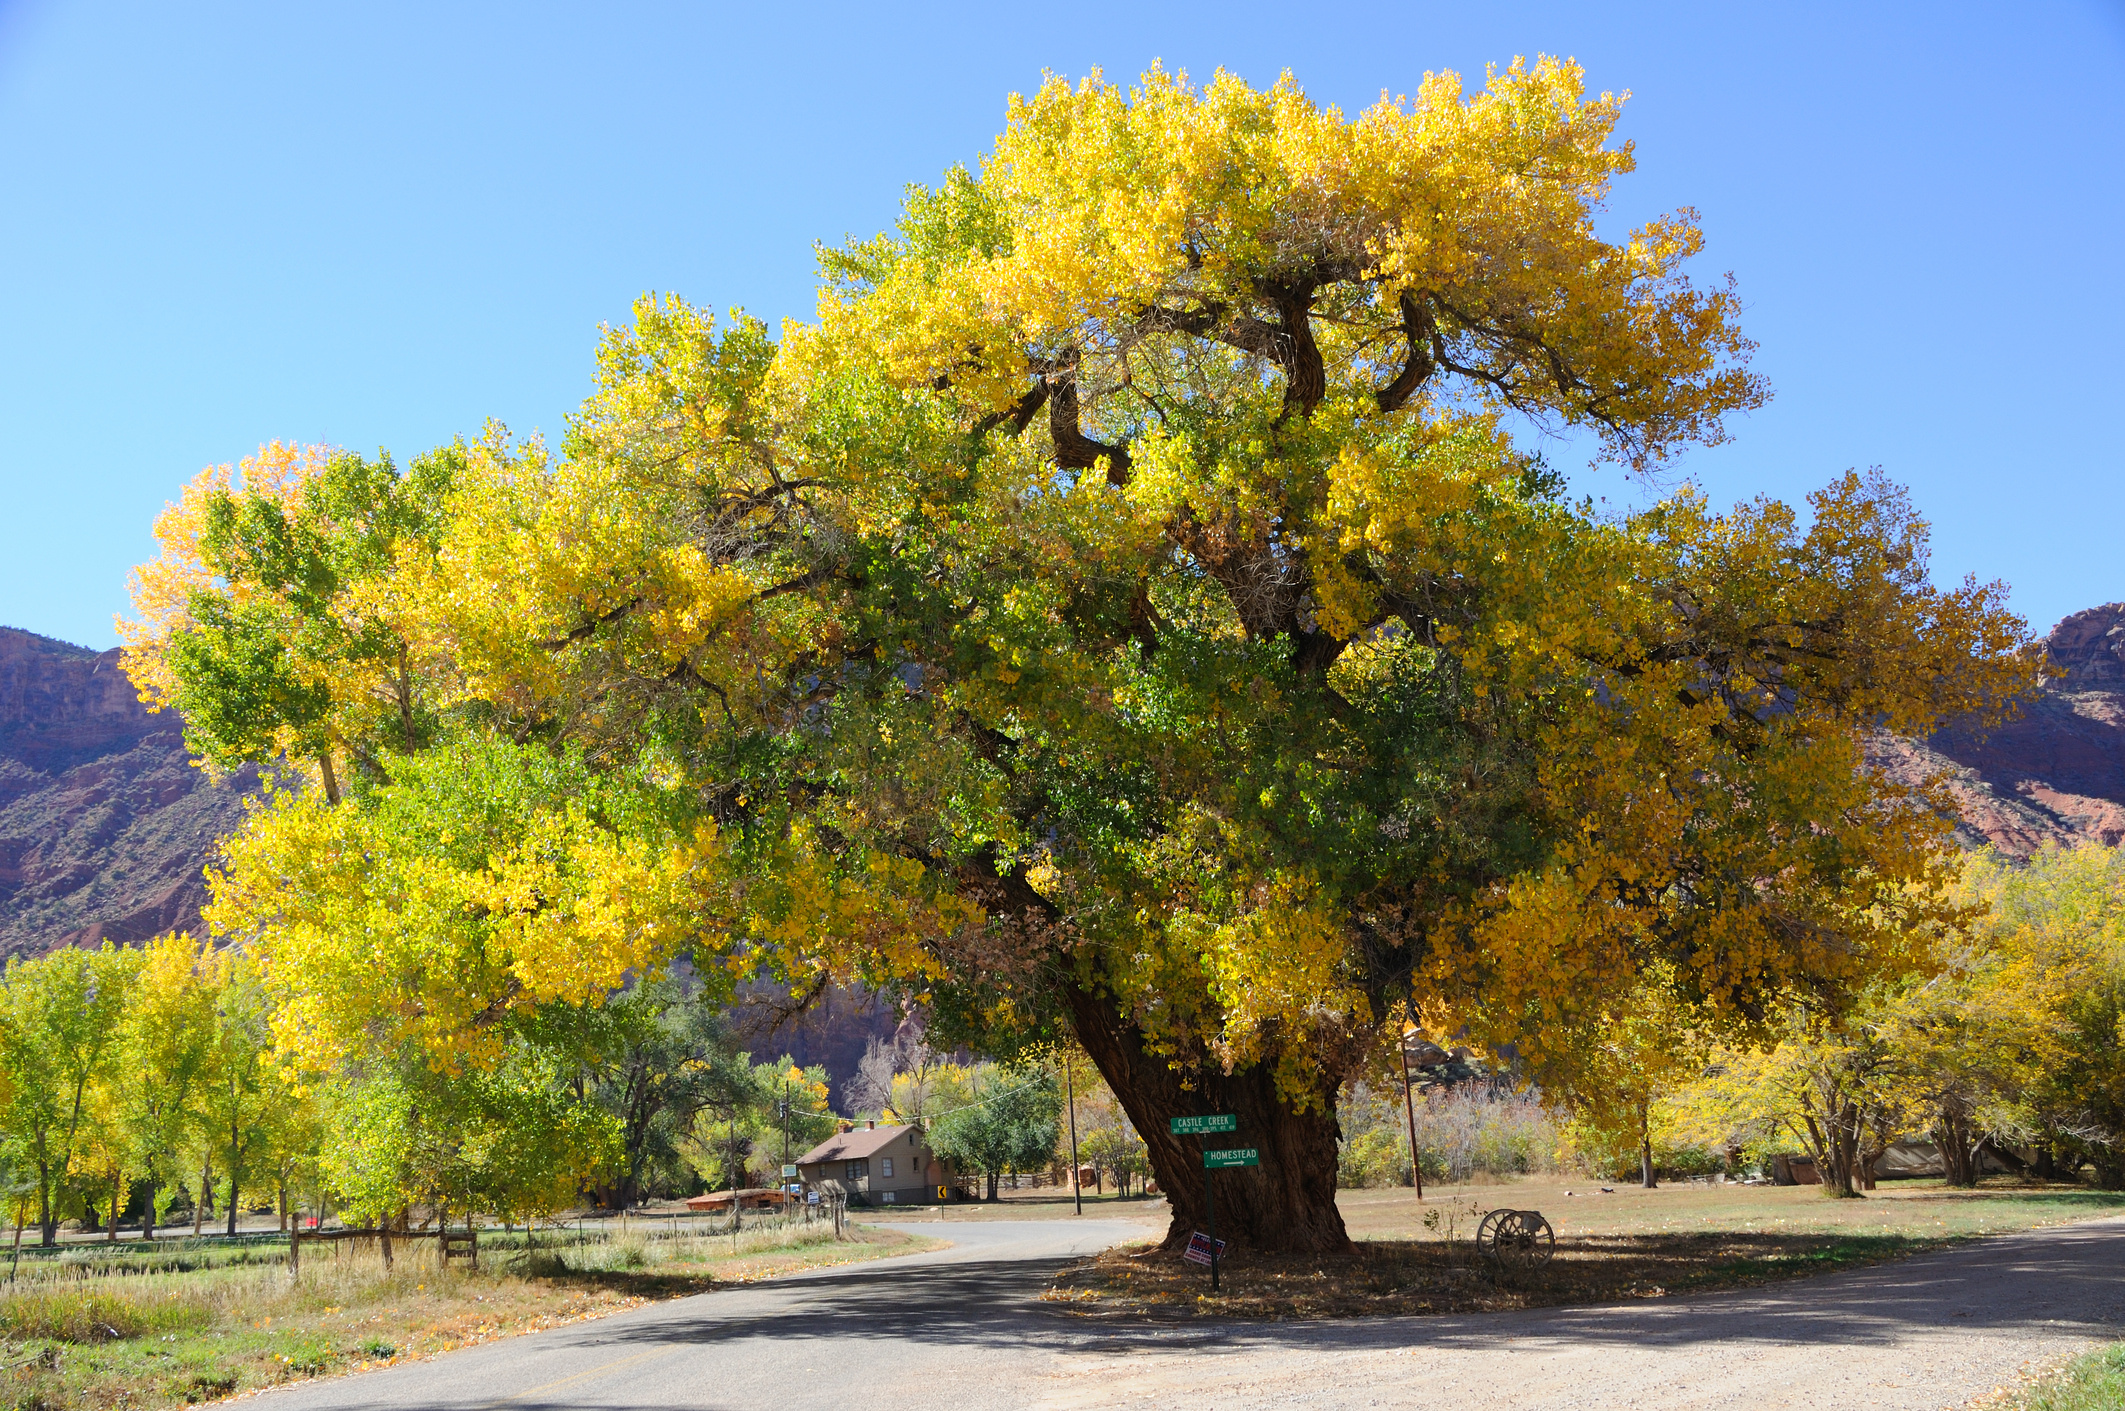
<point>1202,1249</point>
<point>1232,1156</point>
<point>1192,1126</point>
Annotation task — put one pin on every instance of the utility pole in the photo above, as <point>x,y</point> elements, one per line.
<point>1077,1187</point>
<point>1409,1107</point>
<point>735,1202</point>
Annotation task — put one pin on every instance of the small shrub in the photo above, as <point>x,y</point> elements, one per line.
<point>1379,1157</point>
<point>1463,1132</point>
<point>210,1386</point>
<point>630,1254</point>
<point>309,1358</point>
<point>377,1347</point>
<point>544,1263</point>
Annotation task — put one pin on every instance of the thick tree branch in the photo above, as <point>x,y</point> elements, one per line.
<point>588,629</point>
<point>1305,375</point>
<point>1073,449</point>
<point>1422,331</point>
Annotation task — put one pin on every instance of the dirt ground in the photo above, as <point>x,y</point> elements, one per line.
<point>1951,1329</point>
<point>1611,1243</point>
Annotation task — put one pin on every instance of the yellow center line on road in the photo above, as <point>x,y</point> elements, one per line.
<point>584,1376</point>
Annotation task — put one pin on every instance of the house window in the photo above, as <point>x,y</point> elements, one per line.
<point>858,1170</point>
<point>888,1173</point>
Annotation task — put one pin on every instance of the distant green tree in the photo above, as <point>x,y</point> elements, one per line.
<point>513,1139</point>
<point>1008,1126</point>
<point>780,1107</point>
<point>241,1089</point>
<point>59,1022</point>
<point>658,1057</point>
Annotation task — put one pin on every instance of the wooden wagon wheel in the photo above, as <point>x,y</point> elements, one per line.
<point>1523,1242</point>
<point>1487,1232</point>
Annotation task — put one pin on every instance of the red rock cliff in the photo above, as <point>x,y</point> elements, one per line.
<point>104,823</point>
<point>2056,774</point>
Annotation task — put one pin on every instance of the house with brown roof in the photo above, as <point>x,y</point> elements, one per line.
<point>878,1165</point>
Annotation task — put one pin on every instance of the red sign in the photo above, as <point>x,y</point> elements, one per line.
<point>1202,1249</point>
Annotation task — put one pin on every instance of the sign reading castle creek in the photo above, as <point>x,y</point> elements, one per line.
<point>1235,1156</point>
<point>1189,1126</point>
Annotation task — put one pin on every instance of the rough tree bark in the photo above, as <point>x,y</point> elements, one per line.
<point>1960,1146</point>
<point>1285,1205</point>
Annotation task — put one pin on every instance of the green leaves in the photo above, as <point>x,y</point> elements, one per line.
<point>1007,1123</point>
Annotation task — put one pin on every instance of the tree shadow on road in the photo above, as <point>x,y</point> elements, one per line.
<point>2059,1276</point>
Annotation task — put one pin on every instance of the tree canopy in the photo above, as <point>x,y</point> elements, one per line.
<point>1129,608</point>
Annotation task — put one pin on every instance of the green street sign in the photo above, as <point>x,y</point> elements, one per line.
<point>1191,1126</point>
<point>1235,1156</point>
<point>788,1172</point>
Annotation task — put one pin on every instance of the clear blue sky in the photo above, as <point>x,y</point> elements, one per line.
<point>381,224</point>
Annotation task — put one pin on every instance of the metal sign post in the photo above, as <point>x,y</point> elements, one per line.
<point>1210,1201</point>
<point>1196,1126</point>
<point>1219,1161</point>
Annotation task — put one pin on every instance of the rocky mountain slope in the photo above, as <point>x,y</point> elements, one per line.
<point>104,823</point>
<point>2056,774</point>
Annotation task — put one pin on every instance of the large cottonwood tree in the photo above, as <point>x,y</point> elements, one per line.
<point>1130,609</point>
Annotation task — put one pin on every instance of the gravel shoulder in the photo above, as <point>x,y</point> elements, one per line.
<point>963,1327</point>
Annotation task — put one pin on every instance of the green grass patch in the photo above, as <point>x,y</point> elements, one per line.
<point>2094,1381</point>
<point>88,1315</point>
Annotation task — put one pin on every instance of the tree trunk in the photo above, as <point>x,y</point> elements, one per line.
<point>47,1227</point>
<point>117,1190</point>
<point>1959,1150</point>
<point>1835,1139</point>
<point>1645,1151</point>
<point>235,1165</point>
<point>1286,1204</point>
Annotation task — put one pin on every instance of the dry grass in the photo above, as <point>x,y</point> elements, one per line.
<point>1626,1243</point>
<point>75,1338</point>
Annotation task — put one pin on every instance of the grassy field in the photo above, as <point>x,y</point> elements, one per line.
<point>1612,1244</point>
<point>119,1332</point>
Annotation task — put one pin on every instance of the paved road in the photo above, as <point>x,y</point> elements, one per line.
<point>960,1329</point>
